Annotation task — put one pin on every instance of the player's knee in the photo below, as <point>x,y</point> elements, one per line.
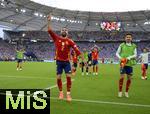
<point>129,76</point>
<point>122,76</point>
<point>68,74</point>
<point>58,76</point>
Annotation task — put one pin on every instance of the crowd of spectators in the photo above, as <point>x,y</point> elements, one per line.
<point>79,35</point>
<point>44,49</point>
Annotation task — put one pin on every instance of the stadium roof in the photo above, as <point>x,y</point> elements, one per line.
<point>98,5</point>
<point>28,15</point>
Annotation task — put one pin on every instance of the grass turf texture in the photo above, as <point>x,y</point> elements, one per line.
<point>93,88</point>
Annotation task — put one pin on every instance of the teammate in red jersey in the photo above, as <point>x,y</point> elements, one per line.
<point>63,45</point>
<point>95,58</point>
<point>74,59</point>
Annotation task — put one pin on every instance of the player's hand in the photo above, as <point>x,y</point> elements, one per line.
<point>49,17</point>
<point>124,60</point>
<point>90,62</point>
<point>49,21</point>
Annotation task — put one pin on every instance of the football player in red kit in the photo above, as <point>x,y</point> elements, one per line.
<point>95,57</point>
<point>74,59</point>
<point>63,45</point>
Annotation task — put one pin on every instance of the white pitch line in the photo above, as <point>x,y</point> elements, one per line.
<point>37,92</point>
<point>106,102</point>
<point>23,77</point>
<point>54,86</point>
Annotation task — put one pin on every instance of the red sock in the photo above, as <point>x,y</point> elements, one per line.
<point>143,72</point>
<point>96,68</point>
<point>93,68</point>
<point>120,84</point>
<point>72,70</point>
<point>17,65</point>
<point>68,84</point>
<point>59,84</point>
<point>128,85</point>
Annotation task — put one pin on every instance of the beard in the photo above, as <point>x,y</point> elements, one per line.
<point>128,41</point>
<point>64,34</point>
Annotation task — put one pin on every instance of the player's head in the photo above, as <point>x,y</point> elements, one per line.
<point>144,50</point>
<point>64,32</point>
<point>95,49</point>
<point>128,38</point>
<point>84,49</point>
<point>19,49</point>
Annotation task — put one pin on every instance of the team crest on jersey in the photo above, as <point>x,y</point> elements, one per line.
<point>66,42</point>
<point>63,43</point>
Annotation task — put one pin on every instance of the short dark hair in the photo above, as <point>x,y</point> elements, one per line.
<point>64,28</point>
<point>145,49</point>
<point>128,34</point>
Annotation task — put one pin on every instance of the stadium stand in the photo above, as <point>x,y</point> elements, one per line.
<point>39,44</point>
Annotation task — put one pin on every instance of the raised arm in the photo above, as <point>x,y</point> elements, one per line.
<point>99,48</point>
<point>49,29</point>
<point>16,49</point>
<point>23,50</point>
<point>96,46</point>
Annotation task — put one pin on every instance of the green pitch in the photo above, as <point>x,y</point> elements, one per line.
<point>91,94</point>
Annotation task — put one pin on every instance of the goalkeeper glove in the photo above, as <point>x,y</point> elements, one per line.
<point>123,62</point>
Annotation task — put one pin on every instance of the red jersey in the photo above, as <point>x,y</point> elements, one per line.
<point>74,58</point>
<point>94,55</point>
<point>63,46</point>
